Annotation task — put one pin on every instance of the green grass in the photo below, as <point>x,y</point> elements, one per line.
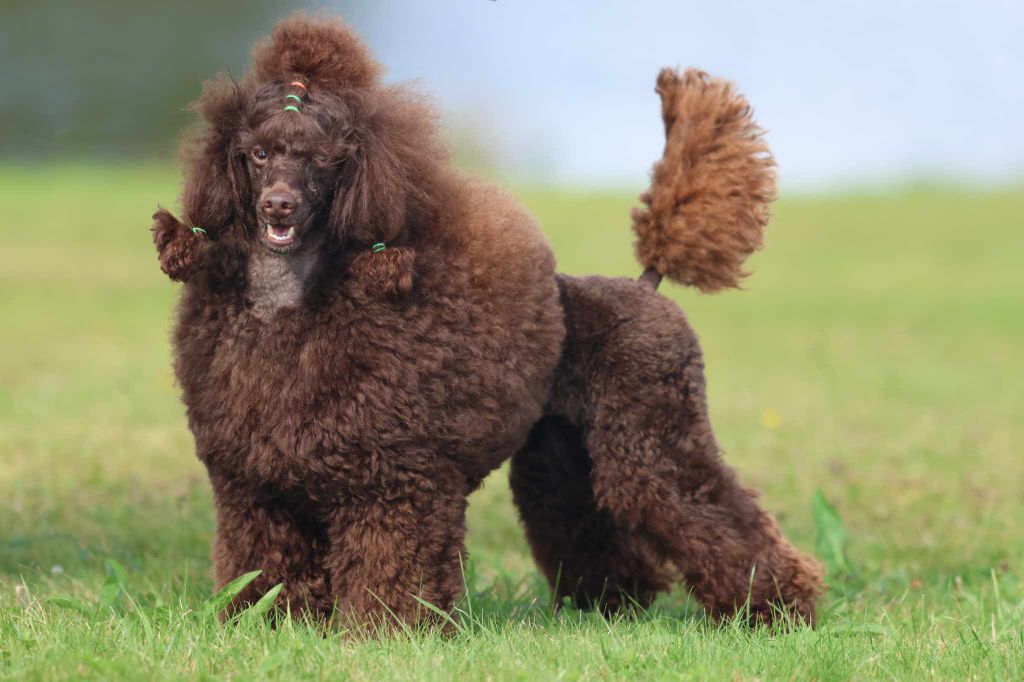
<point>876,356</point>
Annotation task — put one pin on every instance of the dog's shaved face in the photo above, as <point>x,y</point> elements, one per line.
<point>292,169</point>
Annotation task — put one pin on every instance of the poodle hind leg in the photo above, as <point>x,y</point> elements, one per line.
<point>658,473</point>
<point>632,379</point>
<point>577,546</point>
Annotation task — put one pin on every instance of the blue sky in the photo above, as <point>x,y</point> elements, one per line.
<point>851,92</point>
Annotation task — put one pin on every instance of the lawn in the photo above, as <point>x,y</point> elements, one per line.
<point>876,356</point>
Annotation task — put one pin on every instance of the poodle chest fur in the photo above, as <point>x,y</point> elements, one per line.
<point>347,394</point>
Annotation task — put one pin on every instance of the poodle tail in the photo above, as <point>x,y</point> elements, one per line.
<point>709,198</point>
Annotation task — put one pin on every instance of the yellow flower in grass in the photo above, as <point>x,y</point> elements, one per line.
<point>771,419</point>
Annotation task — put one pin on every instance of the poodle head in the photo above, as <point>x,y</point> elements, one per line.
<point>286,160</point>
<point>309,149</point>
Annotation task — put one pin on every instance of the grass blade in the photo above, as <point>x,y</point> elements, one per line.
<point>217,602</point>
<point>265,603</point>
<point>831,536</point>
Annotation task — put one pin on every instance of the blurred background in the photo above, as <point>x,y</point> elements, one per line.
<point>874,356</point>
<point>851,92</point>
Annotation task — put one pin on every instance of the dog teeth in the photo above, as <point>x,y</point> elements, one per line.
<point>273,236</point>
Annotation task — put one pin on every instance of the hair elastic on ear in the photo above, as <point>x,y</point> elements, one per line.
<point>298,84</point>
<point>292,107</point>
<point>196,230</point>
<point>378,247</point>
<point>294,97</point>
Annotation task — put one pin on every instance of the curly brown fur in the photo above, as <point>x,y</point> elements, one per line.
<point>180,248</point>
<point>344,401</point>
<point>393,268</point>
<point>622,488</point>
<point>579,547</point>
<point>322,51</point>
<point>376,148</point>
<point>710,192</point>
<point>347,397</point>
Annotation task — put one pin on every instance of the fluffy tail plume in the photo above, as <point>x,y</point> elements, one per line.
<point>708,203</point>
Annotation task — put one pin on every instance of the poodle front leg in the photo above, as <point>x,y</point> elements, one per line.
<point>287,547</point>
<point>388,553</point>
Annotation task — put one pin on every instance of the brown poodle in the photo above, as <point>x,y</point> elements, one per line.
<point>365,334</point>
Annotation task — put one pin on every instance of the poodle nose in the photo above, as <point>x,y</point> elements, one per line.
<point>279,205</point>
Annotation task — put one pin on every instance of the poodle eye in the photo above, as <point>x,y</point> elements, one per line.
<point>260,154</point>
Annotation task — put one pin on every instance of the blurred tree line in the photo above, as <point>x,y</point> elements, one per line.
<point>113,78</point>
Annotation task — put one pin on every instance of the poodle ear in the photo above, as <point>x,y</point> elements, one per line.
<point>370,200</point>
<point>182,251</point>
<point>216,193</point>
<point>383,191</point>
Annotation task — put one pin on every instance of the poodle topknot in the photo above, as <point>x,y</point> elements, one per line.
<point>324,52</point>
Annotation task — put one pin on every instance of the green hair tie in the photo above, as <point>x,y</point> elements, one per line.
<point>292,107</point>
<point>378,247</point>
<point>294,97</point>
<point>196,230</point>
